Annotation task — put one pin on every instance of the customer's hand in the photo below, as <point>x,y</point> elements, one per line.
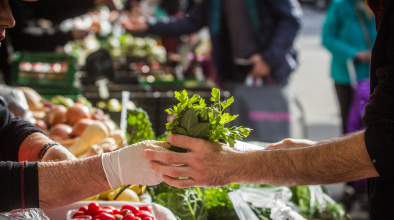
<point>363,56</point>
<point>260,67</point>
<point>206,163</point>
<point>127,165</point>
<point>57,153</point>
<point>135,24</point>
<point>290,143</point>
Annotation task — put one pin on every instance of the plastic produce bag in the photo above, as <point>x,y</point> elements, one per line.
<point>23,214</point>
<point>16,102</point>
<point>274,198</point>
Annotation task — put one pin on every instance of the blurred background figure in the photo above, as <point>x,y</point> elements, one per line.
<point>268,27</point>
<point>349,32</point>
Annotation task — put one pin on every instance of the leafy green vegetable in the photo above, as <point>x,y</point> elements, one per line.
<point>193,118</point>
<point>139,126</point>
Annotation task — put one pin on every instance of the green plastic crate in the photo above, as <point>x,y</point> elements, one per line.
<point>41,69</point>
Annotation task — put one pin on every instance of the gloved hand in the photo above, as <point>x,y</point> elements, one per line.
<point>127,166</point>
<point>57,153</point>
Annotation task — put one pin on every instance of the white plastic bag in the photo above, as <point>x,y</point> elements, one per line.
<point>23,214</point>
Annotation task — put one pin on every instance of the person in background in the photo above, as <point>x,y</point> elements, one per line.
<point>349,32</point>
<point>362,154</point>
<point>39,173</point>
<point>247,36</point>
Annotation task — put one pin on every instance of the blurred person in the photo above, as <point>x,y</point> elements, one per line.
<point>247,36</point>
<point>39,173</point>
<point>363,154</point>
<point>345,37</point>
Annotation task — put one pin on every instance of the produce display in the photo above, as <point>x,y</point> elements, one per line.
<point>126,212</point>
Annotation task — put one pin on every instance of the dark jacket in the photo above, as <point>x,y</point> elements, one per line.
<point>275,23</point>
<point>379,115</point>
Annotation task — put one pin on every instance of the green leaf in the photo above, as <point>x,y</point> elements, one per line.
<point>199,130</point>
<point>215,95</point>
<point>227,103</point>
<point>180,130</point>
<point>189,119</point>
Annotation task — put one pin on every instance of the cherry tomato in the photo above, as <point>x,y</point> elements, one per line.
<point>93,208</point>
<point>109,207</point>
<point>84,208</point>
<point>118,216</point>
<point>146,208</point>
<point>106,216</point>
<point>132,208</point>
<point>78,214</point>
<point>128,217</point>
<point>103,210</point>
<point>137,218</point>
<point>125,211</point>
<point>144,213</point>
<point>84,217</point>
<point>148,218</point>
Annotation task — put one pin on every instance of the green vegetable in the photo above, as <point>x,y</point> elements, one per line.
<point>193,118</point>
<point>139,126</point>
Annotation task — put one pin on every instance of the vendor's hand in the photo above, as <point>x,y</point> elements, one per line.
<point>206,163</point>
<point>127,166</point>
<point>363,56</point>
<point>57,153</point>
<point>135,24</point>
<point>260,67</point>
<point>290,143</point>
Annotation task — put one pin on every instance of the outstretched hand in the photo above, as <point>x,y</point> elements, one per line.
<point>205,163</point>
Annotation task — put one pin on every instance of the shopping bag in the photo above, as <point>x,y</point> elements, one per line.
<point>265,109</point>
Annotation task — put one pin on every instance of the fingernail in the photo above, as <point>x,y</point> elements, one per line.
<point>145,153</point>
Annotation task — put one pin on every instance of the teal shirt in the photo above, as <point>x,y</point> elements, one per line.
<point>343,37</point>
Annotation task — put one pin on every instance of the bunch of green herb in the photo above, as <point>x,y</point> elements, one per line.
<point>195,119</point>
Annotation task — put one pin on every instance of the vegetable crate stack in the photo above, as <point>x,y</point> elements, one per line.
<point>48,73</point>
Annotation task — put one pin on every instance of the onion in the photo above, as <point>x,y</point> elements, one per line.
<point>60,132</point>
<point>80,126</point>
<point>57,115</point>
<point>42,125</point>
<point>76,113</point>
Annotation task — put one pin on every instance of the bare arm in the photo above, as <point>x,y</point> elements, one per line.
<point>211,164</point>
<point>31,146</point>
<point>65,182</point>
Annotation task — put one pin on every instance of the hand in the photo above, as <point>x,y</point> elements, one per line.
<point>290,143</point>
<point>57,153</point>
<point>127,166</point>
<point>260,67</point>
<point>363,56</point>
<point>206,163</point>
<point>135,24</point>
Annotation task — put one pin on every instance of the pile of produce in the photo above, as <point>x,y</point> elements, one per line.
<point>126,212</point>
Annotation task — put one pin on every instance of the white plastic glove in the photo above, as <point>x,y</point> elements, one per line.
<point>128,166</point>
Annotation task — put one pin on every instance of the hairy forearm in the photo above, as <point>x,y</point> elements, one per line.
<point>62,183</point>
<point>31,146</point>
<point>325,162</point>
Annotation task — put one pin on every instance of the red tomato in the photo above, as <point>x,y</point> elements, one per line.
<point>148,218</point>
<point>137,218</point>
<point>109,211</point>
<point>128,217</point>
<point>125,211</point>
<point>118,216</point>
<point>109,207</point>
<point>84,208</point>
<point>132,208</point>
<point>84,217</point>
<point>93,208</point>
<point>106,216</point>
<point>78,214</point>
<point>146,208</point>
<point>144,214</point>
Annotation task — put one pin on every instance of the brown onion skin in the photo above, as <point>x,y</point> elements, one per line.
<point>60,132</point>
<point>76,113</point>
<point>80,126</point>
<point>41,125</point>
<point>57,115</point>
